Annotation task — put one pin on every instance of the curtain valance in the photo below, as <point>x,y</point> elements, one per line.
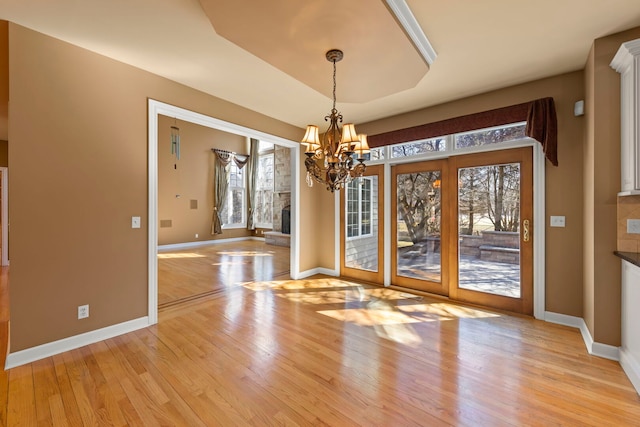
<point>226,157</point>
<point>539,114</point>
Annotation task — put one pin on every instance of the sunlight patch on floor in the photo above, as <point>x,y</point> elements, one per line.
<point>181,255</point>
<point>368,317</point>
<point>390,294</point>
<point>224,263</point>
<point>325,297</point>
<point>245,253</point>
<point>444,311</point>
<point>299,284</point>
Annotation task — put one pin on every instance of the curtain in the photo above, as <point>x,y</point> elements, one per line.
<point>539,114</point>
<point>240,163</point>
<point>252,181</point>
<point>542,126</point>
<point>220,186</point>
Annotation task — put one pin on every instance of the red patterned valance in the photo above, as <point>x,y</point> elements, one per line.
<point>539,114</point>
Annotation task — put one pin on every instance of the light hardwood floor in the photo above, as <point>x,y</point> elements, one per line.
<point>324,351</point>
<point>192,273</point>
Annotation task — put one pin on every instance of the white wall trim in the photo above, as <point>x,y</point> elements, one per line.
<point>32,354</point>
<point>5,216</point>
<point>199,244</point>
<point>156,108</point>
<point>387,223</point>
<point>403,13</point>
<point>594,348</point>
<point>294,243</point>
<point>563,319</point>
<point>631,367</point>
<point>539,229</point>
<point>319,270</point>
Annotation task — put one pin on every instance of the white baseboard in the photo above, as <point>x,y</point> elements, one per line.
<point>32,354</point>
<point>597,349</point>
<point>190,245</point>
<point>563,319</point>
<point>314,271</point>
<point>631,367</point>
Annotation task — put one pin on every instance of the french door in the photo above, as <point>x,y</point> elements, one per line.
<point>420,230</point>
<point>462,227</point>
<point>361,233</point>
<point>492,216</point>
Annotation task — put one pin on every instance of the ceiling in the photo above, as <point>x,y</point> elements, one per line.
<point>272,60</point>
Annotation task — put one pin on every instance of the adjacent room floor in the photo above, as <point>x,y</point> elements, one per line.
<point>192,273</point>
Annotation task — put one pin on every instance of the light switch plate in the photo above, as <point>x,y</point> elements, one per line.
<point>135,222</point>
<point>557,221</point>
<point>633,226</point>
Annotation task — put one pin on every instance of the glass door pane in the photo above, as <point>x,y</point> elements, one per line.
<point>492,216</point>
<point>419,218</point>
<point>361,227</point>
<point>361,244</point>
<point>418,227</point>
<point>489,229</point>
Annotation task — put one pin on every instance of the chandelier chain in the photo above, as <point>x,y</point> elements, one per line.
<point>334,84</point>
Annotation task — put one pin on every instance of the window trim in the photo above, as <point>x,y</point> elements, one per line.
<point>346,204</point>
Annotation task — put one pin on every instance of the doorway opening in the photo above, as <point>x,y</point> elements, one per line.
<point>156,109</point>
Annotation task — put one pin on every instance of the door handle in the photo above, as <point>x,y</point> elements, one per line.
<point>525,231</point>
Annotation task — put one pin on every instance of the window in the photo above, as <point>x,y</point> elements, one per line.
<point>418,147</point>
<point>459,142</point>
<point>264,191</point>
<point>376,154</point>
<point>233,214</point>
<point>358,205</point>
<point>490,136</point>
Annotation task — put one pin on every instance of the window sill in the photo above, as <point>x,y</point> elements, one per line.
<point>233,226</point>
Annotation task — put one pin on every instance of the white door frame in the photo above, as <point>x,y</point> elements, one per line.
<point>156,108</point>
<point>4,215</point>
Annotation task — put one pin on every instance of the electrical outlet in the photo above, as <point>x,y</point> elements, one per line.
<point>556,221</point>
<point>135,222</point>
<point>83,311</point>
<point>633,226</point>
<point>196,235</point>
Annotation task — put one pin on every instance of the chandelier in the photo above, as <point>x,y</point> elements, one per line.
<point>332,162</point>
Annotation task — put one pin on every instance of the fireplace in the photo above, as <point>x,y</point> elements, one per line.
<point>286,220</point>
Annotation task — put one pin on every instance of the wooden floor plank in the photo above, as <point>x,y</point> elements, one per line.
<point>21,403</point>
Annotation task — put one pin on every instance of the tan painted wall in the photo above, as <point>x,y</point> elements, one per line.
<point>191,179</point>
<point>563,245</point>
<point>603,139</point>
<point>78,173</point>
<point>318,222</point>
